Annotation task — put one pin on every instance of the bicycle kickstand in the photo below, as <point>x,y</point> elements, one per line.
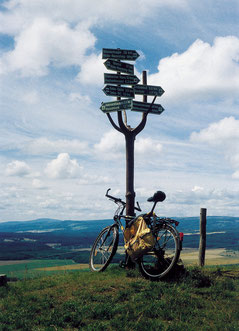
<point>127,263</point>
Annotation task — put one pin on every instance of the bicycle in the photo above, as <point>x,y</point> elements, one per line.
<point>154,264</point>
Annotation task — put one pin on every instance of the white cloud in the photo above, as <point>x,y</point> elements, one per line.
<point>31,98</point>
<point>223,135</point>
<point>197,189</point>
<point>58,32</point>
<point>38,184</point>
<point>146,146</point>
<point>80,98</point>
<point>43,145</point>
<point>235,175</point>
<point>45,42</point>
<point>49,204</point>
<point>21,12</point>
<point>203,70</point>
<point>62,167</point>
<point>94,180</point>
<point>17,168</point>
<point>92,71</point>
<point>111,145</point>
<point>217,202</point>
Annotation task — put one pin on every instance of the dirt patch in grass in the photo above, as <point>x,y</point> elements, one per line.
<point>2,263</point>
<point>65,267</point>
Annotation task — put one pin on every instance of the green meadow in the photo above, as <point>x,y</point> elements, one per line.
<point>118,299</point>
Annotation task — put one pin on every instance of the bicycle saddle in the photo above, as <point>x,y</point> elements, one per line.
<point>158,196</point>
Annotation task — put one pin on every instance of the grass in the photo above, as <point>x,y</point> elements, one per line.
<point>122,300</point>
<point>33,268</point>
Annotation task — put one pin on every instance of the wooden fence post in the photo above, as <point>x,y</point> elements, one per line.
<point>202,244</point>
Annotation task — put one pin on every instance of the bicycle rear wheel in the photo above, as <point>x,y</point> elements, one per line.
<point>104,248</point>
<point>157,263</point>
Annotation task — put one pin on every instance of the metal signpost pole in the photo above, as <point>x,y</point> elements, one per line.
<point>130,139</point>
<point>130,194</point>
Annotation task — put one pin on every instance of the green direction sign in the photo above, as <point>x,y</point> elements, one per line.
<point>119,54</point>
<point>120,79</point>
<point>119,66</point>
<point>118,91</point>
<point>144,107</point>
<point>148,90</point>
<point>108,107</point>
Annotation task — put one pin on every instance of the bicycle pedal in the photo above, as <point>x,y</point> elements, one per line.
<point>122,264</point>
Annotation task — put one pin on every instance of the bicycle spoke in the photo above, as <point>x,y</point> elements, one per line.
<point>104,248</point>
<point>157,263</point>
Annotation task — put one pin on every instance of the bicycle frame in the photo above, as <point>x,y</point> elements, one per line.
<point>151,218</point>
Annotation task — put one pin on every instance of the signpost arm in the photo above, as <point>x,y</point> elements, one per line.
<point>122,126</point>
<point>113,123</point>
<point>142,124</point>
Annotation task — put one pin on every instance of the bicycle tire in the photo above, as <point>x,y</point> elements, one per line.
<point>104,248</point>
<point>160,261</point>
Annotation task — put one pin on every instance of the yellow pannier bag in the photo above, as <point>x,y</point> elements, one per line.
<point>138,238</point>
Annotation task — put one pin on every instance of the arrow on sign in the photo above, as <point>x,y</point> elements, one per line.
<point>145,106</point>
<point>119,66</point>
<point>120,54</point>
<point>108,107</point>
<point>118,91</point>
<point>148,90</point>
<point>120,79</point>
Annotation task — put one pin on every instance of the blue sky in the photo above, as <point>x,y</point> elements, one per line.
<point>59,153</point>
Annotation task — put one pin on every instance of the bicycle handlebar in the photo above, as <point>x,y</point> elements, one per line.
<point>114,198</point>
<point>119,200</point>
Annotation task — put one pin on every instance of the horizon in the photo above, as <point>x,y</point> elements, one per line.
<point>111,219</point>
<point>59,153</point>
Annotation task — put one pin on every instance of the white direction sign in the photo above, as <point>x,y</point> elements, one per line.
<point>146,106</point>
<point>118,91</point>
<point>119,66</point>
<point>120,79</point>
<point>148,90</point>
<point>119,54</point>
<point>108,107</point>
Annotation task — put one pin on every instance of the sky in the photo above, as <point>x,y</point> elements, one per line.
<point>58,151</point>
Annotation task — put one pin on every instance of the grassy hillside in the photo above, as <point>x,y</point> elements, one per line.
<point>122,300</point>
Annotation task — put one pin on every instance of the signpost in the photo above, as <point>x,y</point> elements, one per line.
<point>119,91</point>
<point>119,66</point>
<point>108,107</point>
<point>113,62</point>
<point>119,54</point>
<point>120,79</point>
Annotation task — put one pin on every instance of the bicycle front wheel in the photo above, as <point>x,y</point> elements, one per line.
<point>104,248</point>
<point>157,263</point>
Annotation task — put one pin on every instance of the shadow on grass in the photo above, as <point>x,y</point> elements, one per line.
<point>195,277</point>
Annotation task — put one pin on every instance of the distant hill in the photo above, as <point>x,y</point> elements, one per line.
<point>52,238</point>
